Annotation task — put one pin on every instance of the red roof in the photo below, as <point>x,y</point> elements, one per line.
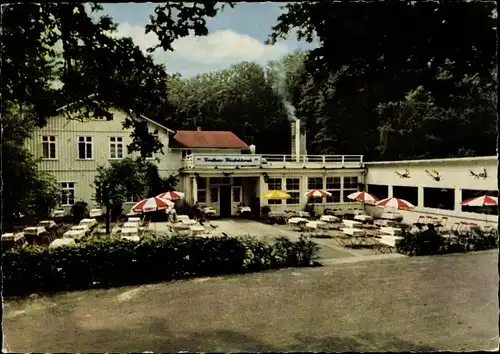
<point>208,139</point>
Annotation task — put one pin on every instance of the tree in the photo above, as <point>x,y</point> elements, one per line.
<point>124,178</point>
<point>376,58</point>
<point>53,54</point>
<point>239,99</point>
<point>25,191</point>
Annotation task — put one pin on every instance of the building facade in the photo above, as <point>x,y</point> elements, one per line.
<point>437,186</point>
<point>218,169</point>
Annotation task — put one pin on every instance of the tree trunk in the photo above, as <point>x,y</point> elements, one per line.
<point>107,220</point>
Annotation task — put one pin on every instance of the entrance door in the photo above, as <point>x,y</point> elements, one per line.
<point>225,201</point>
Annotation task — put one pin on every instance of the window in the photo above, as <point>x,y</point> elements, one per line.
<point>116,147</point>
<point>186,153</point>
<point>439,198</point>
<point>315,183</point>
<point>132,198</point>
<point>237,181</point>
<point>236,194</point>
<point>274,184</point>
<point>49,147</point>
<point>293,188</point>
<point>470,193</point>
<point>350,186</point>
<point>202,196</point>
<point>378,190</point>
<point>85,148</point>
<point>407,193</point>
<point>202,189</point>
<point>333,186</point>
<point>214,194</point>
<point>67,193</point>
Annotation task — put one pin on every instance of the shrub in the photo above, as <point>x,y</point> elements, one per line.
<point>79,211</point>
<point>109,261</point>
<point>422,243</point>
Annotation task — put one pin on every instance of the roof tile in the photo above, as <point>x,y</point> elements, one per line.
<point>208,139</point>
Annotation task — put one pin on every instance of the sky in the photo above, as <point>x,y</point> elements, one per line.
<point>235,35</point>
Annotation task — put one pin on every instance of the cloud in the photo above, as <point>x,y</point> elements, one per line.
<point>217,50</point>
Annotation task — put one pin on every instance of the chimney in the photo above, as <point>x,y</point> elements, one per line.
<point>198,129</point>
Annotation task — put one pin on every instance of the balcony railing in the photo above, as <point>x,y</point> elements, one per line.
<point>227,161</point>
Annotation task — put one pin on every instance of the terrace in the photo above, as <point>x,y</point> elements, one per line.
<point>210,161</point>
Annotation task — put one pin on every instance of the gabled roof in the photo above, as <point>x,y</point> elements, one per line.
<point>134,116</point>
<point>208,139</point>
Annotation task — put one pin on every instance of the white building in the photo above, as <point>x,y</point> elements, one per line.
<point>217,168</point>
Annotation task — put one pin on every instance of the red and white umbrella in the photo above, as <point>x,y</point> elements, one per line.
<point>485,200</point>
<point>152,204</point>
<point>317,193</point>
<point>395,203</point>
<point>363,197</point>
<point>172,195</point>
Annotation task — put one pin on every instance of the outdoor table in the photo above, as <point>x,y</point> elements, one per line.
<point>297,220</point>
<point>47,224</point>
<point>210,211</point>
<point>197,229</point>
<point>134,219</point>
<point>182,217</point>
<point>391,230</point>
<point>58,213</point>
<point>189,222</point>
<point>329,218</point>
<point>304,214</point>
<point>131,238</point>
<point>94,213</point>
<point>244,209</point>
<point>62,242</point>
<point>350,231</point>
<point>386,244</point>
<point>392,216</point>
<point>351,223</point>
<point>180,226</point>
<point>363,218</point>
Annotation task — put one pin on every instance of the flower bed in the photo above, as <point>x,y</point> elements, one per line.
<point>106,262</point>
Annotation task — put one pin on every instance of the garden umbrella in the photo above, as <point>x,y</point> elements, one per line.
<point>363,197</point>
<point>395,203</point>
<point>482,201</point>
<point>276,195</point>
<point>152,204</point>
<point>172,195</point>
<point>318,193</point>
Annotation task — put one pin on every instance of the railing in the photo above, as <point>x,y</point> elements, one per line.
<point>273,161</point>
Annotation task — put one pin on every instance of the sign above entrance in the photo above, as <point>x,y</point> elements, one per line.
<point>242,161</point>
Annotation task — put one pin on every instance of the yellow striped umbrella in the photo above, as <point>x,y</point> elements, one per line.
<point>276,195</point>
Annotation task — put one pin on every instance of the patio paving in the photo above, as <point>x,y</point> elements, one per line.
<point>329,248</point>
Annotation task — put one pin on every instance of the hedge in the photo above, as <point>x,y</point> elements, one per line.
<point>429,242</point>
<point>106,262</point>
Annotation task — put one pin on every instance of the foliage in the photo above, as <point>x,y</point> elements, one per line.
<point>450,42</point>
<point>79,211</point>
<point>429,242</point>
<point>126,178</point>
<point>54,54</point>
<point>26,190</point>
<point>103,262</point>
<point>213,100</point>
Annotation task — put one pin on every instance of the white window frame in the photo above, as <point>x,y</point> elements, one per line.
<point>65,187</point>
<point>333,190</point>
<point>49,140</point>
<point>87,143</point>
<point>237,191</point>
<point>349,189</point>
<point>114,142</point>
<point>292,192</point>
<point>271,181</point>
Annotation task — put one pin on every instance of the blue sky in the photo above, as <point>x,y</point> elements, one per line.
<point>235,35</point>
